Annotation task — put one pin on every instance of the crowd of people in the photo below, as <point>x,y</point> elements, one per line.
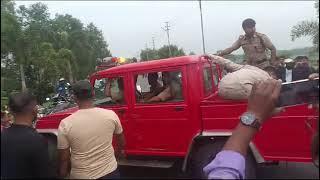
<point>85,147</point>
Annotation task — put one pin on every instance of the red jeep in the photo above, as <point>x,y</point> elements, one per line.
<point>192,127</point>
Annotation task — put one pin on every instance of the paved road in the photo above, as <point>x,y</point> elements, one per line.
<point>281,171</point>
<point>289,171</point>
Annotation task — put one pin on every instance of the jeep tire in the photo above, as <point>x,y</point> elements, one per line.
<point>205,153</point>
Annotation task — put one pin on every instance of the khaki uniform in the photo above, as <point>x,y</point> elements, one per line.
<point>254,49</point>
<point>237,84</point>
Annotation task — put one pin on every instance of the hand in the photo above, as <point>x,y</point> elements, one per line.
<point>263,98</point>
<point>214,58</point>
<point>313,76</point>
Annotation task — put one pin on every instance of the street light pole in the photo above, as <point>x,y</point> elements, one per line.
<point>203,45</point>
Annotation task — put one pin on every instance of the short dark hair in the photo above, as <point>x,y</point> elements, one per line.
<point>248,23</point>
<point>152,76</point>
<point>298,58</point>
<point>82,90</point>
<point>22,102</point>
<point>270,69</point>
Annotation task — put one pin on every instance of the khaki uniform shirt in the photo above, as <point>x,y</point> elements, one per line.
<point>89,133</point>
<point>237,84</point>
<point>254,49</point>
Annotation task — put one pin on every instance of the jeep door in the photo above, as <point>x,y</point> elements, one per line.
<point>286,136</point>
<point>111,93</point>
<point>161,127</point>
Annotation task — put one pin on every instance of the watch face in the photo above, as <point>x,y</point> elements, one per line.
<point>247,118</point>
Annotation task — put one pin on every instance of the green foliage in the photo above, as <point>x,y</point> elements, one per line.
<point>149,54</point>
<point>9,27</point>
<point>162,53</point>
<point>308,28</point>
<point>192,53</point>
<point>36,50</point>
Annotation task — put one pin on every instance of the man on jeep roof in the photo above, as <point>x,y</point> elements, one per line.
<point>254,45</point>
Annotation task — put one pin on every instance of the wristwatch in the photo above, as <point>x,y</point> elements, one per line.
<point>249,119</point>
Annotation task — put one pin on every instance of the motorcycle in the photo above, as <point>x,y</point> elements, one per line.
<point>57,103</point>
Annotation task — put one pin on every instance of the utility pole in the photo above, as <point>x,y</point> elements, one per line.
<point>147,52</point>
<point>154,47</point>
<point>203,45</point>
<point>166,28</point>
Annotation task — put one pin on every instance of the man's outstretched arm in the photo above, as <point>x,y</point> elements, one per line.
<point>226,63</point>
<point>236,45</point>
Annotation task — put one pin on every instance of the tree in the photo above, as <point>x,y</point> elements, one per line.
<point>308,28</point>
<point>66,63</point>
<point>37,50</point>
<point>192,53</point>
<point>11,36</point>
<point>86,43</point>
<point>99,47</point>
<point>32,31</point>
<point>163,52</point>
<point>9,27</point>
<point>149,54</point>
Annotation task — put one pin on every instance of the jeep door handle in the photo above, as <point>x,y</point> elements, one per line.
<point>179,108</point>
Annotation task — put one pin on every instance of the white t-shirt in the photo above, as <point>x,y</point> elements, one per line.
<point>89,133</point>
<point>288,75</point>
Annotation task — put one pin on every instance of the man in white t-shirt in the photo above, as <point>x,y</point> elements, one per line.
<point>289,64</point>
<point>85,139</point>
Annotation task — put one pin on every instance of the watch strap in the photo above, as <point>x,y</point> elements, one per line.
<point>256,124</point>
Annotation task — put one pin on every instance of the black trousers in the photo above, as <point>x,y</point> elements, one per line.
<point>113,175</point>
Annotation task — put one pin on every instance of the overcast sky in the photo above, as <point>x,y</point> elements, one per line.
<point>128,26</point>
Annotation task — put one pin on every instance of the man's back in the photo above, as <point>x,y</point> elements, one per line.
<point>89,133</point>
<point>24,153</point>
<point>238,84</point>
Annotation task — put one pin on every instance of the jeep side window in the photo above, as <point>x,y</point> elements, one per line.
<point>109,91</point>
<point>207,80</point>
<point>159,87</point>
<point>215,74</point>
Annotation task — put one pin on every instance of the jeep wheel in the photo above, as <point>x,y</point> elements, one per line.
<point>204,154</point>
